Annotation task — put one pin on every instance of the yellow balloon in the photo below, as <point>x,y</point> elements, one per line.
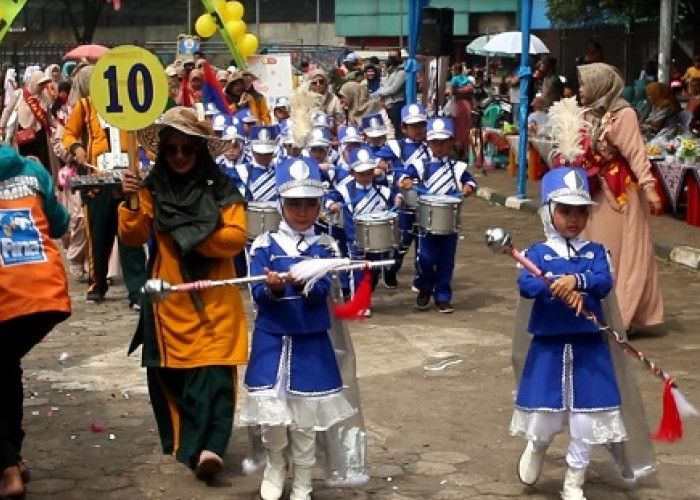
<point>205,26</point>
<point>220,5</point>
<point>236,28</point>
<point>248,45</point>
<point>233,11</point>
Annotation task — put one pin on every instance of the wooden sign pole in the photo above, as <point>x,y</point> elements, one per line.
<point>134,166</point>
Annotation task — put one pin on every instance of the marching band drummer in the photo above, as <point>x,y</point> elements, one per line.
<point>192,343</point>
<point>261,171</point>
<point>233,161</point>
<point>394,156</point>
<point>359,195</point>
<point>439,175</point>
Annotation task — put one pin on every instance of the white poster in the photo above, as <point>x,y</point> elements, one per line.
<point>275,73</point>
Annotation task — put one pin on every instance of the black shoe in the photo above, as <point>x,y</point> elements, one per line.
<point>94,297</point>
<point>423,300</point>
<point>390,280</point>
<point>445,307</point>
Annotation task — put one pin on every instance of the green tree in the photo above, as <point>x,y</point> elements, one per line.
<point>564,13</point>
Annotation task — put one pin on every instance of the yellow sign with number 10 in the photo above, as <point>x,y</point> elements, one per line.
<point>129,87</point>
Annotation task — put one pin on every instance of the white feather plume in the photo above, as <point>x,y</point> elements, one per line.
<point>303,103</point>
<point>312,270</point>
<point>568,124</point>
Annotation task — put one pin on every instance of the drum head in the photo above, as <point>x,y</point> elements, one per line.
<point>376,217</point>
<point>262,206</point>
<point>439,199</point>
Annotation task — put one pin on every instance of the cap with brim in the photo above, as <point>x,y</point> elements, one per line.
<point>572,199</point>
<point>362,160</point>
<point>44,79</point>
<point>171,71</point>
<point>183,120</point>
<point>263,148</point>
<point>299,178</point>
<point>439,135</point>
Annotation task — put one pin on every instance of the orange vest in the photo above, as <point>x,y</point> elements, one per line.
<point>32,276</point>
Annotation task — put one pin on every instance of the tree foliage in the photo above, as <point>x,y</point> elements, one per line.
<point>571,13</point>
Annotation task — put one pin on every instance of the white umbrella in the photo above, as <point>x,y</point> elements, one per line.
<point>510,42</point>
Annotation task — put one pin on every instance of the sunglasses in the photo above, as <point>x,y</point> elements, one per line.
<point>185,149</point>
<point>318,82</point>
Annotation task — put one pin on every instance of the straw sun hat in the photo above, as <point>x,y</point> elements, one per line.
<point>184,120</point>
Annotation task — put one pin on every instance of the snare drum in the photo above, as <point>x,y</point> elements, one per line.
<point>377,232</point>
<point>439,214</point>
<point>410,200</point>
<point>261,216</point>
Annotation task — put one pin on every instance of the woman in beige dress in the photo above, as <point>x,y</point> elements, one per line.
<point>618,166</point>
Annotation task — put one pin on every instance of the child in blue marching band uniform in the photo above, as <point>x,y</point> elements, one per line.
<point>233,162</point>
<point>261,171</point>
<point>280,109</point>
<point>568,379</point>
<point>349,138</point>
<point>293,383</point>
<point>394,156</point>
<point>438,175</point>
<point>359,195</point>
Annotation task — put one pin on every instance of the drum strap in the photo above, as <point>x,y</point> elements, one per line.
<point>366,203</point>
<point>420,151</point>
<point>438,182</point>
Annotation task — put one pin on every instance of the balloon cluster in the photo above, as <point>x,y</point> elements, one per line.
<point>231,14</point>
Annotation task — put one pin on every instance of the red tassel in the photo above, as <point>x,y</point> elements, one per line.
<point>671,427</point>
<point>355,308</point>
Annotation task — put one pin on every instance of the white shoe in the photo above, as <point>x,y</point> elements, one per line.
<point>273,478</point>
<point>530,464</point>
<point>302,486</point>
<point>573,481</point>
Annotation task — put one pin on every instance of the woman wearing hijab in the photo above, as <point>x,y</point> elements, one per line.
<point>662,120</point>
<point>192,342</point>
<point>240,97</point>
<point>53,71</point>
<point>624,189</point>
<point>34,121</point>
<point>357,103</point>
<point>328,101</point>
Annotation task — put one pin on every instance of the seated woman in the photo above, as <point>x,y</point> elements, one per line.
<point>662,121</point>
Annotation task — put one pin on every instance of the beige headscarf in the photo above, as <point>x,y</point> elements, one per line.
<point>604,86</point>
<point>359,102</point>
<point>81,84</point>
<point>25,117</point>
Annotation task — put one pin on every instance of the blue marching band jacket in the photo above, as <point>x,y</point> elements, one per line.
<point>568,366</point>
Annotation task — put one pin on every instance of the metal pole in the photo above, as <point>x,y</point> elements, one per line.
<point>525,74</point>
<point>665,40</point>
<point>189,17</point>
<point>257,16</point>
<point>400,26</point>
<point>318,23</point>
